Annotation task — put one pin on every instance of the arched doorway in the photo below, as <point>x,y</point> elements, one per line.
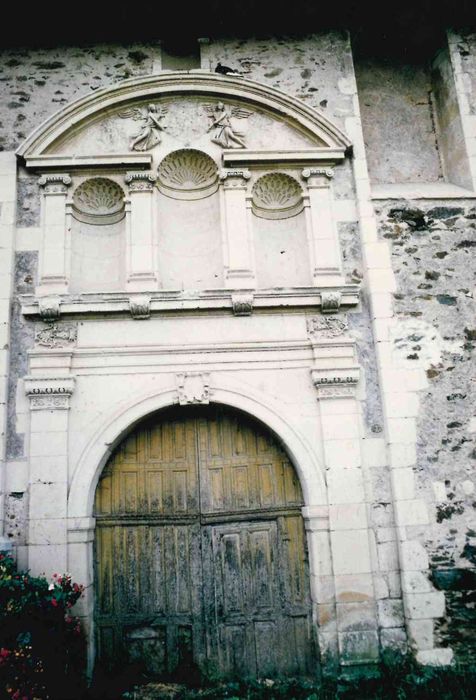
<point>200,549</point>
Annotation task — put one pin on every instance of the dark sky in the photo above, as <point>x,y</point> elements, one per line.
<point>389,26</point>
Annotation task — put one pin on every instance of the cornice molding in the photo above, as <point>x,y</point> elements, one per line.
<point>51,308</point>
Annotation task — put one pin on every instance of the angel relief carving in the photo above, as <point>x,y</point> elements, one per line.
<point>226,132</point>
<point>149,134</point>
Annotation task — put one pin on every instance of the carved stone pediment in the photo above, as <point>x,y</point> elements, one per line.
<point>186,122</point>
<point>172,110</point>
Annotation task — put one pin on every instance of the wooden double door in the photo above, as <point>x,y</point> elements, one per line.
<point>200,550</point>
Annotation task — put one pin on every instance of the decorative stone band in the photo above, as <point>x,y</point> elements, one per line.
<point>337,383</point>
<point>55,183</point>
<point>49,393</point>
<point>139,306</point>
<point>193,387</point>
<point>234,178</point>
<point>242,304</point>
<point>318,177</point>
<point>49,307</point>
<point>140,181</point>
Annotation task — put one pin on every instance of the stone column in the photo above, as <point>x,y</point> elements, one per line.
<point>239,265</point>
<point>47,531</point>
<point>141,262</point>
<point>335,375</point>
<point>8,171</point>
<point>316,522</point>
<point>324,244</point>
<point>54,254</point>
<point>80,539</point>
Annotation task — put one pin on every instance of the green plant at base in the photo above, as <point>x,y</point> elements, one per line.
<point>40,641</point>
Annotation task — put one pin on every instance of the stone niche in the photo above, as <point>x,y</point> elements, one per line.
<point>97,236</point>
<point>279,231</point>
<point>188,215</point>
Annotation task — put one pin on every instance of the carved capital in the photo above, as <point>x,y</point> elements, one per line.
<point>193,387</point>
<point>49,393</point>
<point>56,335</point>
<point>318,177</point>
<point>140,181</point>
<point>242,304</point>
<point>139,306</point>
<point>330,302</point>
<point>234,178</point>
<point>326,327</point>
<point>49,308</point>
<point>55,183</point>
<point>334,384</point>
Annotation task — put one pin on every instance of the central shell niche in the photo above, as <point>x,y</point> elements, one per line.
<point>190,252</point>
<point>187,174</point>
<point>277,196</point>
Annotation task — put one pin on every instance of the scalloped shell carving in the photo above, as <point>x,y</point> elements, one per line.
<point>187,174</point>
<point>98,201</point>
<point>277,196</point>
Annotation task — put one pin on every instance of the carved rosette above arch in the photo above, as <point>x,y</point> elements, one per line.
<point>277,196</point>
<point>187,174</point>
<point>98,201</point>
<point>193,387</point>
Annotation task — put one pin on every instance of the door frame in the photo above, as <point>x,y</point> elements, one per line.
<point>81,523</point>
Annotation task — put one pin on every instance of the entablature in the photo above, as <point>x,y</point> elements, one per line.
<point>142,306</point>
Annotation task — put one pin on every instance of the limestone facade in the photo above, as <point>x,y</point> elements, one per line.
<point>294,242</point>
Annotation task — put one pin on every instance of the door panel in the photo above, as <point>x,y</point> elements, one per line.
<point>200,549</point>
<point>251,618</point>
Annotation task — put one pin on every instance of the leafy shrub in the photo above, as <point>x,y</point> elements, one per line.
<point>398,677</point>
<point>40,641</point>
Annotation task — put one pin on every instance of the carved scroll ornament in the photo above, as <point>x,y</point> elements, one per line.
<point>56,335</point>
<point>326,326</point>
